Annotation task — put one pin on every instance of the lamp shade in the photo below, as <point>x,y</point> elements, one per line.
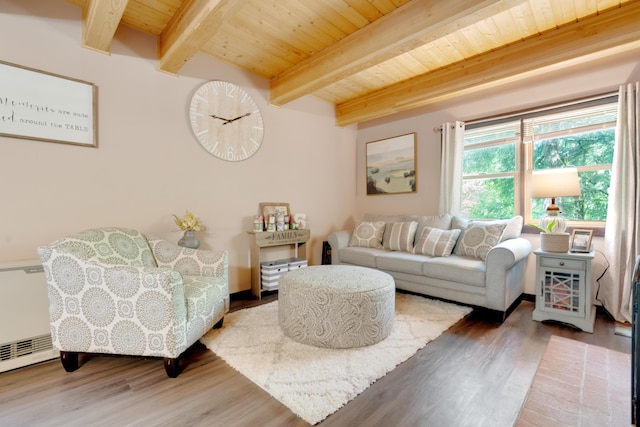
<point>552,183</point>
<point>556,183</point>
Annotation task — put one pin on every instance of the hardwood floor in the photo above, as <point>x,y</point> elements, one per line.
<point>475,374</point>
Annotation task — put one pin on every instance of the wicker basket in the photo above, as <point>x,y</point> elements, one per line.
<point>554,242</point>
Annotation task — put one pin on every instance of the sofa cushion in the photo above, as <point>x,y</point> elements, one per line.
<point>399,236</point>
<point>436,242</point>
<point>402,262</point>
<point>365,257</point>
<point>387,219</point>
<point>460,222</point>
<point>110,245</point>
<point>478,239</point>
<point>512,230</point>
<point>469,271</point>
<point>368,234</point>
<point>436,221</point>
<point>384,218</point>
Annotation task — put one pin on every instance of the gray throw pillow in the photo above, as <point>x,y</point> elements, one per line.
<point>368,234</point>
<point>399,236</point>
<point>478,239</point>
<point>436,242</point>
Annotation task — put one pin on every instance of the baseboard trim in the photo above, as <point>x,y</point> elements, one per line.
<point>241,296</point>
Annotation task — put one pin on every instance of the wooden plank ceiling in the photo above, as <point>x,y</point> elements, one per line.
<point>372,58</point>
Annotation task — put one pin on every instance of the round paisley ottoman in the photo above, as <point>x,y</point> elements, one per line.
<point>336,306</point>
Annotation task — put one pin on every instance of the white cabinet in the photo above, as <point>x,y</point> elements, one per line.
<point>563,289</point>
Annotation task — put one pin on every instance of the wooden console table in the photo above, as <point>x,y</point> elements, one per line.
<point>267,239</point>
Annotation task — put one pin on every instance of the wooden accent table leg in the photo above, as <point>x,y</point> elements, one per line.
<point>172,366</point>
<point>219,324</point>
<point>69,360</point>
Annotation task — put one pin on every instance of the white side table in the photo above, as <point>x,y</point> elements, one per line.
<point>563,288</point>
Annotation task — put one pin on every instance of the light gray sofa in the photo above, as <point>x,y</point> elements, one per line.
<point>491,277</point>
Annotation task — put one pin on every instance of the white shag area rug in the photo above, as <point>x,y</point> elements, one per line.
<point>315,382</point>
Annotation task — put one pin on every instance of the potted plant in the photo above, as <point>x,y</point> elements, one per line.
<point>189,224</point>
<point>553,241</point>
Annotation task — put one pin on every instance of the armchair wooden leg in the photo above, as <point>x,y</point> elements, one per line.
<point>219,324</point>
<point>69,360</point>
<point>172,366</point>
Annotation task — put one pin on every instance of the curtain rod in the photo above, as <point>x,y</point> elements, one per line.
<point>603,97</point>
<point>453,125</point>
<point>545,109</point>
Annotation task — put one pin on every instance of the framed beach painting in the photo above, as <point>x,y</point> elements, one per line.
<point>391,165</point>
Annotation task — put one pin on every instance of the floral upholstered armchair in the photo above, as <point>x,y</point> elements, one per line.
<point>114,290</point>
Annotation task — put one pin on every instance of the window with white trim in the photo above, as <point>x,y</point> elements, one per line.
<point>501,154</point>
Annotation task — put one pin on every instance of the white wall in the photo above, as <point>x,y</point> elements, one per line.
<point>148,164</point>
<point>598,77</point>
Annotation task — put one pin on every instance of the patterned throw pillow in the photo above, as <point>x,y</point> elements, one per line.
<point>368,234</point>
<point>399,236</point>
<point>436,242</point>
<point>478,239</point>
<point>512,230</point>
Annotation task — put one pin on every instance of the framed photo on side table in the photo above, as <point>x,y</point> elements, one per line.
<point>268,208</point>
<point>581,241</point>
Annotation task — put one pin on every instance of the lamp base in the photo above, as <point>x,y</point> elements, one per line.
<point>558,227</point>
<point>555,242</point>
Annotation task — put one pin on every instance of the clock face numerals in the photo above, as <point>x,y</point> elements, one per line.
<point>226,121</point>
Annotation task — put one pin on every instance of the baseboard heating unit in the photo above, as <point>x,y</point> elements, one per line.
<point>25,337</point>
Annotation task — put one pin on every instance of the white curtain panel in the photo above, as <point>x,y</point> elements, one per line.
<point>622,244</point>
<point>452,142</point>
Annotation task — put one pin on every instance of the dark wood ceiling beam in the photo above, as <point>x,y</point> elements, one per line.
<point>599,36</point>
<point>195,23</point>
<point>100,20</point>
<point>406,28</point>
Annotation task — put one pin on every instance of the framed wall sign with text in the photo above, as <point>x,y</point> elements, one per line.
<point>47,107</point>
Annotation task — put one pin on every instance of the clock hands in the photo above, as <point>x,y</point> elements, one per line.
<point>220,118</point>
<point>237,118</point>
<point>227,121</point>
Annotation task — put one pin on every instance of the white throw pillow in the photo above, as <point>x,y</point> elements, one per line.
<point>513,228</point>
<point>436,242</point>
<point>479,238</point>
<point>368,234</point>
<point>399,236</point>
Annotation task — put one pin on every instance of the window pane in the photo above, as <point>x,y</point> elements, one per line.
<point>590,206</point>
<point>587,149</point>
<point>604,115</point>
<point>498,159</point>
<point>494,133</point>
<point>495,153</point>
<point>488,198</point>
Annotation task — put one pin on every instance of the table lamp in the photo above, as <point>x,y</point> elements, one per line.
<point>554,183</point>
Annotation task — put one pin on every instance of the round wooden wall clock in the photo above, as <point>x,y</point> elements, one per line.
<point>226,121</point>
